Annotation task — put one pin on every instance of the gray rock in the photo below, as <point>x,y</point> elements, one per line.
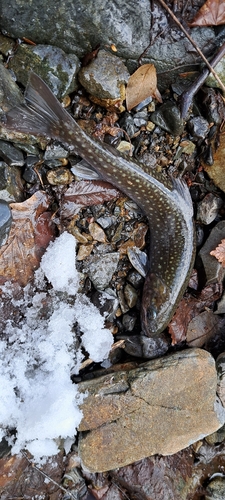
<point>12,155</point>
<point>57,68</point>
<point>141,346</point>
<point>101,269</point>
<point>213,269</point>
<point>168,118</point>
<point>104,76</point>
<point>161,407</point>
<point>198,127</point>
<point>10,95</point>
<point>78,27</point>
<point>208,208</point>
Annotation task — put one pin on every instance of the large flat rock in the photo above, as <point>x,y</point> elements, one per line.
<point>160,407</point>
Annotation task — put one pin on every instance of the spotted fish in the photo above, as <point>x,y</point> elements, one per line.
<point>165,201</point>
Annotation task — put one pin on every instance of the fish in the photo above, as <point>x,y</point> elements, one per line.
<point>166,201</point>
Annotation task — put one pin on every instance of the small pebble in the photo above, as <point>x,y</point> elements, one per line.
<point>60,176</point>
<point>130,295</point>
<point>198,127</point>
<point>208,208</point>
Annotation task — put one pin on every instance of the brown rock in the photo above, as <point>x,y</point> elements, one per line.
<point>161,407</point>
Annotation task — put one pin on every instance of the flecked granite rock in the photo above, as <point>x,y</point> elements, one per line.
<point>160,407</point>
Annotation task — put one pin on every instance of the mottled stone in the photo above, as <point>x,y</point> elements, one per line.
<point>101,269</point>
<point>104,76</point>
<point>208,208</point>
<point>161,407</point>
<point>57,68</point>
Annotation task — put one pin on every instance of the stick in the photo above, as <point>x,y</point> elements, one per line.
<point>193,43</point>
<point>187,96</point>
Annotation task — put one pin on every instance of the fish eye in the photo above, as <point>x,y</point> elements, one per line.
<point>151,314</point>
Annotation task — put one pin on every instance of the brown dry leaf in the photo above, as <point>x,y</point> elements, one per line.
<point>188,308</point>
<point>31,232</point>
<point>86,193</point>
<point>202,328</point>
<point>142,84</point>
<point>219,253</point>
<point>212,13</point>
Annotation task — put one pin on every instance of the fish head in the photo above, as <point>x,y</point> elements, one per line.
<point>155,305</point>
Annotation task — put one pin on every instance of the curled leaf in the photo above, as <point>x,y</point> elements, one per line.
<point>142,84</point>
<point>31,231</point>
<point>219,253</point>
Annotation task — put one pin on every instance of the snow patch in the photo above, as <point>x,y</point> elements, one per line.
<point>39,353</point>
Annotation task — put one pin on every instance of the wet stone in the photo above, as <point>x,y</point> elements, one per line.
<point>104,76</point>
<point>167,116</point>
<point>12,156</point>
<point>160,407</point>
<point>5,221</point>
<point>198,127</point>
<point>208,208</point>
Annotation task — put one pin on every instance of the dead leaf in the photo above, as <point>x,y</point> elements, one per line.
<point>97,232</point>
<point>31,232</point>
<point>212,13</point>
<point>202,328</point>
<point>219,253</point>
<point>188,308</point>
<point>142,84</point>
<point>86,193</point>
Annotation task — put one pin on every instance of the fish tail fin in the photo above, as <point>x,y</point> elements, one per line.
<point>41,114</point>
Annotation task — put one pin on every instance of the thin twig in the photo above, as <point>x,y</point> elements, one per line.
<point>47,477</point>
<point>170,12</point>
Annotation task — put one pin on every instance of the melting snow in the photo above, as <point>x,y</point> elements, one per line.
<point>38,398</point>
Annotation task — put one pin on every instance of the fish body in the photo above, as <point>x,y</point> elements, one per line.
<point>165,201</point>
